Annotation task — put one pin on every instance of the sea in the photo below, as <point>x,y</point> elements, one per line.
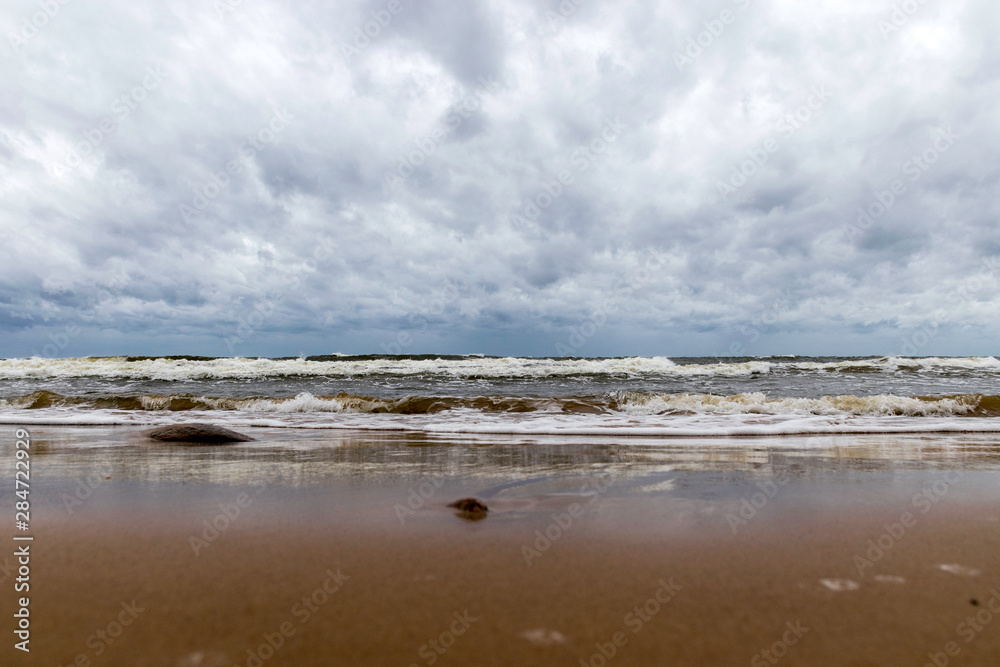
<point>656,397</point>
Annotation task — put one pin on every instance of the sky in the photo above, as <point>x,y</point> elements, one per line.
<point>544,178</point>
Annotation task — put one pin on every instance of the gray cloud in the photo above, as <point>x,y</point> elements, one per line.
<point>403,198</point>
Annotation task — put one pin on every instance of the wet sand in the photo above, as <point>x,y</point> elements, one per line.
<point>346,553</point>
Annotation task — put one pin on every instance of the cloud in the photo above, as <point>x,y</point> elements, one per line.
<point>491,177</point>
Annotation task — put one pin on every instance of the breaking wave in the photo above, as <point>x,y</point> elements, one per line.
<point>960,405</point>
<point>465,367</point>
<point>623,402</point>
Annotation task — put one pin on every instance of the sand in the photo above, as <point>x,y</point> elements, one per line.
<point>349,555</point>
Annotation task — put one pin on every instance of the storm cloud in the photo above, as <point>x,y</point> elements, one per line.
<point>254,177</point>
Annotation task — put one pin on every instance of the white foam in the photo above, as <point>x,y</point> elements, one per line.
<point>543,637</point>
<point>467,421</point>
<point>959,570</point>
<point>224,368</point>
<point>840,585</point>
<point>638,403</point>
<point>306,402</point>
<point>466,367</point>
<point>893,364</point>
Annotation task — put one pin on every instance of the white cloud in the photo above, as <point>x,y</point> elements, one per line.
<point>71,234</point>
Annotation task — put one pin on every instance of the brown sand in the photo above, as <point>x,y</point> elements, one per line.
<point>392,587</point>
<point>401,590</point>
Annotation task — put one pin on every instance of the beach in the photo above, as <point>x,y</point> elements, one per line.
<point>308,547</point>
<point>562,333</point>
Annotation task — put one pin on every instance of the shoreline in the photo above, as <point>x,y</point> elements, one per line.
<point>361,423</point>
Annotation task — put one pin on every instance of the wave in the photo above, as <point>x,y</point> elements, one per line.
<point>465,367</point>
<point>629,403</point>
<point>305,403</point>
<point>902,364</point>
<point>959,405</point>
<point>469,367</point>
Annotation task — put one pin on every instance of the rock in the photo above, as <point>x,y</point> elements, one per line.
<point>204,433</point>
<point>472,509</point>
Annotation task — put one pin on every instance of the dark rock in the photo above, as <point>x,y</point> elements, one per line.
<point>204,433</point>
<point>472,509</point>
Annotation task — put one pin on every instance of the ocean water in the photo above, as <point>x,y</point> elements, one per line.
<point>638,396</point>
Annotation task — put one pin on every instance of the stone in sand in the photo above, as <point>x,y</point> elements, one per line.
<point>472,509</point>
<point>207,433</point>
